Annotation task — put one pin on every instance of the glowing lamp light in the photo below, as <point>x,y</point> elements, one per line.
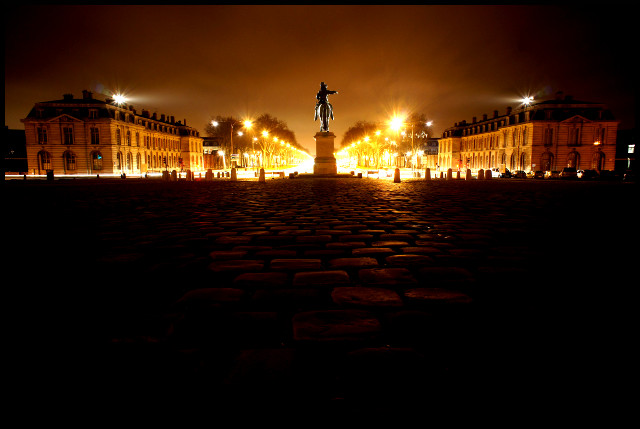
<point>527,100</point>
<point>119,99</point>
<point>396,122</point>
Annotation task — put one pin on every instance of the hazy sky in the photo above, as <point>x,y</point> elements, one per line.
<point>196,62</point>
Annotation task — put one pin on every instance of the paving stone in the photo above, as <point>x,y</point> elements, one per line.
<point>268,280</point>
<point>296,264</point>
<point>387,277</point>
<point>313,239</point>
<point>365,297</point>
<point>219,255</point>
<point>332,278</point>
<point>351,263</point>
<point>233,240</point>
<point>409,260</point>
<point>346,245</point>
<point>390,243</point>
<point>236,265</point>
<point>437,296</point>
<point>373,251</point>
<point>421,250</point>
<point>355,237</point>
<point>335,325</point>
<point>276,254</point>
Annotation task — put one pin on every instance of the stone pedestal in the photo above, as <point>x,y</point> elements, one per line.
<point>325,162</point>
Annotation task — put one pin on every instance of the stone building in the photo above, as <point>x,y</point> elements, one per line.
<point>544,136</point>
<point>90,136</point>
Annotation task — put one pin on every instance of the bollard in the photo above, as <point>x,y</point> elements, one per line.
<point>174,176</point>
<point>359,175</point>
<point>481,174</point>
<point>261,178</point>
<point>487,175</point>
<point>218,174</point>
<point>458,175</point>
<point>396,176</point>
<point>234,175</point>
<point>449,174</point>
<point>208,175</point>
<point>427,174</point>
<point>442,174</point>
<point>468,175</point>
<point>49,174</point>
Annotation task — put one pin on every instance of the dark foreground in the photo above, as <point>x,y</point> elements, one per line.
<point>320,298</point>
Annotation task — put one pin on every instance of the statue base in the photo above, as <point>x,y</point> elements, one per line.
<point>325,161</point>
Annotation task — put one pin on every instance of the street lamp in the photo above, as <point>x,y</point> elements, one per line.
<point>232,123</point>
<point>397,122</point>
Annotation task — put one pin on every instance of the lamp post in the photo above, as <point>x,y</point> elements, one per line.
<point>232,124</point>
<point>397,122</point>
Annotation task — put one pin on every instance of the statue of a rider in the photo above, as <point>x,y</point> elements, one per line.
<point>324,110</point>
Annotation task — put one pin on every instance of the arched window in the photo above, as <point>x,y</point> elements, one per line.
<point>129,161</point>
<point>137,139</point>
<point>512,162</point>
<point>69,161</point>
<point>523,161</point>
<point>546,161</point>
<point>96,160</point>
<point>573,159</point>
<point>118,136</point>
<point>597,162</point>
<point>138,158</point>
<point>44,160</point>
<point>119,161</point>
<point>128,138</point>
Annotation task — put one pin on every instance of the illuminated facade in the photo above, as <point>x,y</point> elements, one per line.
<point>91,136</point>
<point>544,136</point>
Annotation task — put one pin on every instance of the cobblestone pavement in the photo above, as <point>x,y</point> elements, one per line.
<point>321,295</point>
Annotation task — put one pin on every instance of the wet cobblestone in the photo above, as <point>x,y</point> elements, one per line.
<point>330,294</point>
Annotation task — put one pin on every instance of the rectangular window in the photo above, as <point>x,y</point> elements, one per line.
<point>93,114</point>
<point>42,135</point>
<point>67,135</point>
<point>95,135</point>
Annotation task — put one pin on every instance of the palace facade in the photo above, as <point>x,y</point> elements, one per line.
<point>544,136</point>
<point>92,136</point>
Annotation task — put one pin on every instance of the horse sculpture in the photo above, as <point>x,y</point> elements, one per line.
<point>324,110</point>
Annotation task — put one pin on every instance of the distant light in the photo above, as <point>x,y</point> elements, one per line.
<point>527,100</point>
<point>429,123</point>
<point>396,122</point>
<point>214,123</point>
<point>248,124</point>
<point>119,99</point>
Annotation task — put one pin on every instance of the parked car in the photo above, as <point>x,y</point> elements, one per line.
<point>587,174</point>
<point>519,174</point>
<point>551,174</point>
<point>506,174</point>
<point>538,174</point>
<point>495,172</point>
<point>568,173</point>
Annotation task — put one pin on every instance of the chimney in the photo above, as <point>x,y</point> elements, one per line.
<point>474,120</point>
<point>154,116</point>
<point>484,116</point>
<point>162,117</point>
<point>67,96</point>
<point>495,113</point>
<point>508,110</point>
<point>87,95</point>
<point>559,95</point>
<point>185,122</point>
<point>173,120</point>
